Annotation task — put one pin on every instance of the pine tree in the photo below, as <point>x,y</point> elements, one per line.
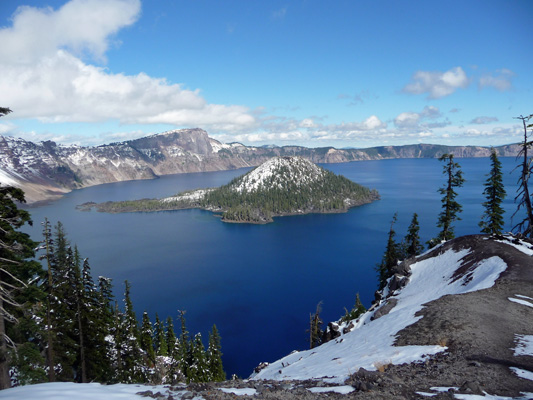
<point>393,253</point>
<point>450,207</point>
<point>147,344</point>
<point>50,328</point>
<point>492,220</point>
<point>130,356</point>
<point>16,248</point>
<point>198,370</point>
<point>413,247</point>
<point>170,337</point>
<point>105,363</point>
<point>64,306</point>
<point>356,311</point>
<point>93,321</point>
<point>525,226</point>
<point>80,326</point>
<point>160,342</point>
<point>183,353</point>
<point>315,327</point>
<point>214,357</point>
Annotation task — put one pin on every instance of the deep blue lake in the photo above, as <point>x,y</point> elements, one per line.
<point>259,283</point>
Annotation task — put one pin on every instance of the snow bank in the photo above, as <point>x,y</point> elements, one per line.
<point>78,391</point>
<point>334,389</point>
<point>370,343</point>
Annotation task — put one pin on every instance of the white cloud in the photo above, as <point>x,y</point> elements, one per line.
<point>501,81</point>
<point>43,79</point>
<point>407,120</point>
<point>437,84</point>
<point>483,120</point>
<point>307,123</point>
<point>82,26</point>
<point>417,122</point>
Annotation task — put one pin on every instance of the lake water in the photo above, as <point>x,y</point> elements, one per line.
<point>259,283</point>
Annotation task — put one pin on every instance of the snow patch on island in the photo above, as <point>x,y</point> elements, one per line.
<point>300,172</point>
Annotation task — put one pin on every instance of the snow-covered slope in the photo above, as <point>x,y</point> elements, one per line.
<point>457,268</point>
<point>371,342</point>
<point>279,172</point>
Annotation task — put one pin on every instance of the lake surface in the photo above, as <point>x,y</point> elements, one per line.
<point>259,283</point>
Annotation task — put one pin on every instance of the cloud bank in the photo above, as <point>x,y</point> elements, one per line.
<point>44,77</point>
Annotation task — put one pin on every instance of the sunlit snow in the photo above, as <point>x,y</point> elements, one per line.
<point>370,343</point>
<point>521,301</point>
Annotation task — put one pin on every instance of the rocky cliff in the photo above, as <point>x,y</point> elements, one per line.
<point>46,170</point>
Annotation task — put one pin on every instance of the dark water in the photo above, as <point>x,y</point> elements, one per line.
<point>258,283</point>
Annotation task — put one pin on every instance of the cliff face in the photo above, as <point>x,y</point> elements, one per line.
<point>45,170</point>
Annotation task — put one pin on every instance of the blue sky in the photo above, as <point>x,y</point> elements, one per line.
<point>342,74</point>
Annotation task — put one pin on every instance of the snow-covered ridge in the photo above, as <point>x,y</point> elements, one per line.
<point>370,341</point>
<point>278,172</point>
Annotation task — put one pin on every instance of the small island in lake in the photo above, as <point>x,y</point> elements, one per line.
<point>278,187</point>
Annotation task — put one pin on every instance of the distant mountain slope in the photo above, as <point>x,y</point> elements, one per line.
<point>458,317</point>
<point>280,186</point>
<point>46,170</point>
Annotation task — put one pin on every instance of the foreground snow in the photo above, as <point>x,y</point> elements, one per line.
<point>370,343</point>
<point>78,391</point>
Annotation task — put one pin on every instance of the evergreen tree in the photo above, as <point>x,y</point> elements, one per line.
<point>450,207</point>
<point>81,325</point>
<point>16,271</point>
<point>198,369</point>
<point>355,312</point>
<point>183,353</point>
<point>492,219</point>
<point>130,355</point>
<point>413,247</point>
<point>147,344</point>
<point>160,342</point>
<point>105,363</point>
<point>393,253</point>
<point>214,357</point>
<point>525,226</point>
<point>315,327</point>
<point>170,337</point>
<point>64,306</point>
<point>50,328</point>
<point>95,329</point>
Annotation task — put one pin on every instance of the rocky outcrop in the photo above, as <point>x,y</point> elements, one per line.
<point>47,170</point>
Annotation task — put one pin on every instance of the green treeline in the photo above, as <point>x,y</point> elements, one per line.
<point>59,324</point>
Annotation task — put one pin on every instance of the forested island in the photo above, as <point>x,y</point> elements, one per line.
<point>280,186</point>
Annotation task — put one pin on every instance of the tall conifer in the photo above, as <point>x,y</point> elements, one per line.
<point>450,207</point>
<point>214,357</point>
<point>392,254</point>
<point>413,246</point>
<point>160,342</point>
<point>147,344</point>
<point>492,220</point>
